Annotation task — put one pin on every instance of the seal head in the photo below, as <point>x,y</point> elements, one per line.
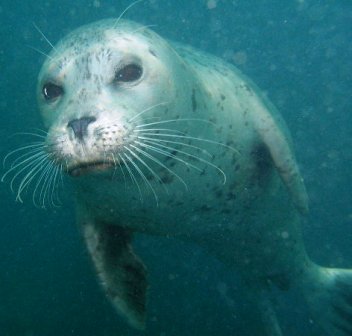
<point>94,88</point>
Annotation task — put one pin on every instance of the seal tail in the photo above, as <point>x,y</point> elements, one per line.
<point>328,292</point>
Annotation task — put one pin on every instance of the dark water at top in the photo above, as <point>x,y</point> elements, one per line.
<point>299,52</point>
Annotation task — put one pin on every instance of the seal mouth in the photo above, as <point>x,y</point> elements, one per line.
<point>89,167</point>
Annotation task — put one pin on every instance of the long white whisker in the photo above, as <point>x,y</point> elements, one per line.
<point>46,183</point>
<point>194,138</point>
<point>158,130</point>
<point>45,38</point>
<point>176,120</point>
<point>190,155</point>
<point>39,130</point>
<point>41,52</point>
<point>124,12</point>
<point>29,133</point>
<point>116,164</point>
<point>124,164</point>
<point>41,176</point>
<point>54,186</point>
<point>25,155</point>
<point>35,158</point>
<point>170,155</point>
<point>61,181</point>
<point>145,165</point>
<point>35,168</point>
<point>141,174</point>
<point>146,110</point>
<point>143,27</point>
<point>132,176</point>
<point>37,145</point>
<point>149,156</point>
<point>204,151</point>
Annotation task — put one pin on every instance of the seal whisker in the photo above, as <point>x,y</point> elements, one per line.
<point>26,180</point>
<point>197,139</point>
<point>132,175</point>
<point>45,38</point>
<point>150,169</point>
<point>151,157</point>
<point>204,151</point>
<point>176,120</point>
<point>38,147</point>
<point>116,164</point>
<point>32,160</point>
<point>41,181</point>
<point>168,154</point>
<point>143,27</point>
<point>159,130</point>
<point>191,156</point>
<point>147,166</point>
<point>42,53</point>
<point>141,173</point>
<point>30,133</point>
<point>146,110</point>
<point>124,12</point>
<point>25,155</point>
<point>122,170</point>
<point>46,177</point>
<point>35,168</point>
<point>29,178</point>
<point>40,130</point>
<point>48,181</point>
<point>55,201</point>
<point>51,184</point>
<point>61,175</point>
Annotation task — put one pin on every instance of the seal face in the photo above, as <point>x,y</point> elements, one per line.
<point>162,139</point>
<point>90,92</point>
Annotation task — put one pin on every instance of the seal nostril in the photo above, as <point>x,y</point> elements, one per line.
<point>80,126</point>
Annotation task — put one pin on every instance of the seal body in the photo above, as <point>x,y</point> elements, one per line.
<point>162,139</point>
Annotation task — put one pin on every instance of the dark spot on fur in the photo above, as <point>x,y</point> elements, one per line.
<point>194,101</point>
<point>153,53</point>
<point>222,97</point>
<point>205,208</point>
<point>166,178</point>
<point>218,192</point>
<point>280,280</point>
<point>202,173</point>
<point>230,196</point>
<point>262,160</point>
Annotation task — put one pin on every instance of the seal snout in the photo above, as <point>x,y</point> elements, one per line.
<point>80,126</point>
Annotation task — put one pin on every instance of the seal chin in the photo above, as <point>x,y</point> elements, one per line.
<point>89,168</point>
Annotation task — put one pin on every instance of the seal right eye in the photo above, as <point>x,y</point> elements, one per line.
<point>52,91</point>
<point>129,73</point>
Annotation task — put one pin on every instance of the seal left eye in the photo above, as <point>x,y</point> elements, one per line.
<point>52,91</point>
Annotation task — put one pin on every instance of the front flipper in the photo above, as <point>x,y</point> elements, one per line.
<point>271,130</point>
<point>122,273</point>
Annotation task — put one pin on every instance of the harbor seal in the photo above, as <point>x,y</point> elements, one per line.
<point>159,138</point>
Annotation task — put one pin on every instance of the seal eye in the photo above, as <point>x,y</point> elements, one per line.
<point>128,73</point>
<point>52,91</point>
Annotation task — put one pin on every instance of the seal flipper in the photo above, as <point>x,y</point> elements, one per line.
<point>328,292</point>
<point>263,117</point>
<point>122,273</point>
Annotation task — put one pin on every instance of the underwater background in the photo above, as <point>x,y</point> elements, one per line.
<point>299,52</point>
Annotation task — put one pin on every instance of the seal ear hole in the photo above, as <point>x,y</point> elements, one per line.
<point>52,91</point>
<point>128,73</point>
